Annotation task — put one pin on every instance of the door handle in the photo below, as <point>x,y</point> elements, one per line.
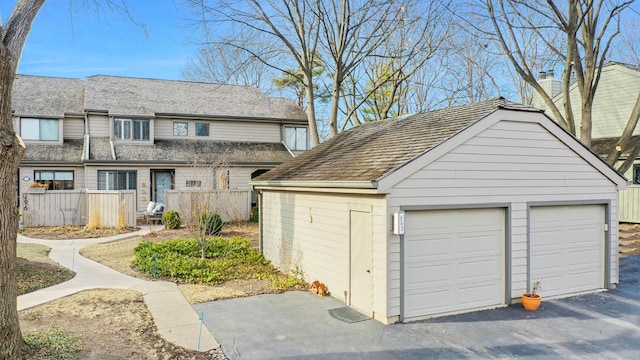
<point>368,271</point>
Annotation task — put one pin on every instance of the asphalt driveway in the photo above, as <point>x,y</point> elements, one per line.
<point>296,325</point>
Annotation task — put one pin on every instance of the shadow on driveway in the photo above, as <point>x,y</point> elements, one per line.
<point>297,325</point>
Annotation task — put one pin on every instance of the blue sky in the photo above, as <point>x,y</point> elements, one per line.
<point>74,39</point>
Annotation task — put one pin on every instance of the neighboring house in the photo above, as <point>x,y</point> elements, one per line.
<point>617,92</point>
<point>147,135</point>
<point>445,212</point>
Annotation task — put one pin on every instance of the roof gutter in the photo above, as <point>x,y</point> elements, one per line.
<point>316,184</point>
<point>231,117</point>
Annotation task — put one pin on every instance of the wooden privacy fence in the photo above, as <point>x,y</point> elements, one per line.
<point>111,208</point>
<point>232,205</point>
<point>629,204</point>
<point>53,208</point>
<point>75,207</point>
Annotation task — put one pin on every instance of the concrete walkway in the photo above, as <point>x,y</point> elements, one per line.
<point>176,320</point>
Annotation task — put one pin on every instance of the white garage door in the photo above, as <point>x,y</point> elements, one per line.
<point>453,261</point>
<point>567,248</point>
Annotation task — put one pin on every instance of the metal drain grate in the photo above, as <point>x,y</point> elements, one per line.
<point>348,315</point>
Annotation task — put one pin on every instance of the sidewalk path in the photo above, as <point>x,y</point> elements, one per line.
<point>174,317</point>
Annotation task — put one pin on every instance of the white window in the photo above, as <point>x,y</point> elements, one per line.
<point>180,129</point>
<point>296,138</point>
<point>117,180</point>
<point>202,129</point>
<point>39,129</point>
<point>57,180</point>
<point>131,129</point>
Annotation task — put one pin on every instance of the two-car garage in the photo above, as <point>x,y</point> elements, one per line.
<point>493,196</point>
<point>455,259</point>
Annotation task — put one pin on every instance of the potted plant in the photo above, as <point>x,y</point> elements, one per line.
<point>531,300</point>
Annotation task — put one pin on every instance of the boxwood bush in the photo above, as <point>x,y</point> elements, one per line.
<point>171,219</point>
<point>210,223</point>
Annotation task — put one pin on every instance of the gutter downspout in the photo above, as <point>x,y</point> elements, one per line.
<point>289,150</point>
<point>260,224</point>
<point>113,150</point>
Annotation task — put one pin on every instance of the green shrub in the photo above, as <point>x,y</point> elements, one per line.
<point>210,223</point>
<point>255,214</point>
<point>225,259</point>
<point>171,219</point>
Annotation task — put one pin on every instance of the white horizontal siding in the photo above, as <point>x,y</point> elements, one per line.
<point>312,231</point>
<point>513,163</point>
<point>222,131</point>
<point>73,128</point>
<point>245,131</point>
<point>163,129</point>
<point>99,125</point>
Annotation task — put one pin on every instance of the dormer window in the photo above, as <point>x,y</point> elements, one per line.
<point>39,129</point>
<point>296,138</point>
<point>131,129</point>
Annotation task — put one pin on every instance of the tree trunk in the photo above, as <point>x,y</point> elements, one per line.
<point>11,343</point>
<point>311,108</point>
<point>14,35</point>
<point>625,140</point>
<point>585,124</point>
<point>335,103</point>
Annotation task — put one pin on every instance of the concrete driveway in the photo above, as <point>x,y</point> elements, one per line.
<point>297,325</point>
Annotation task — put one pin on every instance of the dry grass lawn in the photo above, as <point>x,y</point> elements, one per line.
<point>111,324</point>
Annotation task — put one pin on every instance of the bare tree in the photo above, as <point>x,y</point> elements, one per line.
<point>630,52</point>
<point>14,35</point>
<point>378,87</point>
<point>291,29</point>
<point>224,64</point>
<point>350,37</point>
<point>588,28</point>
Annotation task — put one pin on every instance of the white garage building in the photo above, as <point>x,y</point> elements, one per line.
<point>444,212</point>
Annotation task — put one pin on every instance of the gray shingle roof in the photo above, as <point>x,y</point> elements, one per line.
<point>100,148</point>
<point>47,96</point>
<point>51,96</point>
<point>69,151</point>
<point>369,151</point>
<point>188,151</point>
<point>135,96</point>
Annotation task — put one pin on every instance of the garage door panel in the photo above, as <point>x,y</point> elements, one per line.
<point>417,277</point>
<point>460,267</point>
<point>478,270</point>
<point>567,248</point>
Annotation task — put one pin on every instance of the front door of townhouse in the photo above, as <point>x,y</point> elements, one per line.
<point>161,180</point>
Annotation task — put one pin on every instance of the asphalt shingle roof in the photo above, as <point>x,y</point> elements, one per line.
<point>136,96</point>
<point>47,96</point>
<point>369,151</point>
<point>189,151</point>
<point>69,151</point>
